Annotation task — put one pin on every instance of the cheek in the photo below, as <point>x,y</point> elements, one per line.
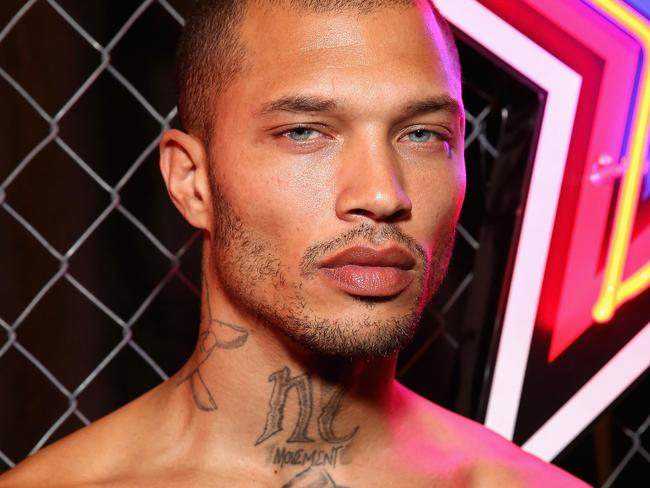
<point>283,201</point>
<point>437,198</point>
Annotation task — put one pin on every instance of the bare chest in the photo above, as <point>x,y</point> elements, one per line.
<point>302,477</point>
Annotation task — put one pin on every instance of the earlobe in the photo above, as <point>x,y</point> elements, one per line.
<point>183,164</point>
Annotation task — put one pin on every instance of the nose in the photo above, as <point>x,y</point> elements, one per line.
<point>369,185</point>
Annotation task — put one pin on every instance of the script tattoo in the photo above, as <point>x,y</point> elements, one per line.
<point>282,383</point>
<point>281,456</point>
<point>326,420</point>
<point>208,341</point>
<point>312,478</point>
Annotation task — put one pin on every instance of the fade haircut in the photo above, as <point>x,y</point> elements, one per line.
<point>210,53</point>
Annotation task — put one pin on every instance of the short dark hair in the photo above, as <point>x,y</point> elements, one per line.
<point>210,53</point>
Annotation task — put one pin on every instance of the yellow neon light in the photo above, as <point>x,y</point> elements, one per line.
<point>634,285</point>
<point>614,292</point>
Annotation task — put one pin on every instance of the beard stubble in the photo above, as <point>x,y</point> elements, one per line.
<point>251,272</point>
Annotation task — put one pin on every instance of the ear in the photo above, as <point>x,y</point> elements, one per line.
<point>184,167</point>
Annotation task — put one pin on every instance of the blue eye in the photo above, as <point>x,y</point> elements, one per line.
<point>421,135</point>
<point>301,134</point>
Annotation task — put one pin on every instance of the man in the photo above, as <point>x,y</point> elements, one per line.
<point>323,160</point>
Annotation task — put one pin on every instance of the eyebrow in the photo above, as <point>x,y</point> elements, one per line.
<point>316,104</point>
<point>298,104</point>
<point>440,103</point>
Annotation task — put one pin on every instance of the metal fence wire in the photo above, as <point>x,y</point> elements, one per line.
<point>29,14</point>
<point>108,271</point>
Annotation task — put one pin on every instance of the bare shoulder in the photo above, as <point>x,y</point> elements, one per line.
<point>489,459</point>
<point>64,463</point>
<point>86,457</point>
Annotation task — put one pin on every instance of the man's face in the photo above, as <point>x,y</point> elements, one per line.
<point>337,175</point>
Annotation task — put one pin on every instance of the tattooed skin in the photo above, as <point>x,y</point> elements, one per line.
<point>283,456</point>
<point>312,478</point>
<point>282,383</point>
<point>328,415</point>
<point>209,340</point>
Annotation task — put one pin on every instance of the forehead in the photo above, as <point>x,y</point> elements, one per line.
<point>345,52</point>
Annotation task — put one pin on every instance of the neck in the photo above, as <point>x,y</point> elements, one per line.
<point>250,390</point>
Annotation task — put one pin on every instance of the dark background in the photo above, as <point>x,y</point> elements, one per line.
<point>99,286</point>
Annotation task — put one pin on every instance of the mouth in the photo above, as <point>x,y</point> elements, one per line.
<point>367,272</point>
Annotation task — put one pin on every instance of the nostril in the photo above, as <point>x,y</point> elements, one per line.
<point>394,217</point>
<point>401,214</point>
<point>362,212</point>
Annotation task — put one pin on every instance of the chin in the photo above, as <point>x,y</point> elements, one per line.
<point>369,333</point>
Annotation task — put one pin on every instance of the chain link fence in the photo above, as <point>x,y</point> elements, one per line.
<point>614,451</point>
<point>636,455</point>
<point>63,246</point>
<point>99,297</point>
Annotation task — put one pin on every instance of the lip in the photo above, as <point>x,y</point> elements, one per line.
<point>364,271</point>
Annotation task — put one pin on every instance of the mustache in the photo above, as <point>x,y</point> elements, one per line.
<point>363,233</point>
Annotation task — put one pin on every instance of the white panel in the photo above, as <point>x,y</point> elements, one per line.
<point>563,87</point>
<point>575,415</point>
